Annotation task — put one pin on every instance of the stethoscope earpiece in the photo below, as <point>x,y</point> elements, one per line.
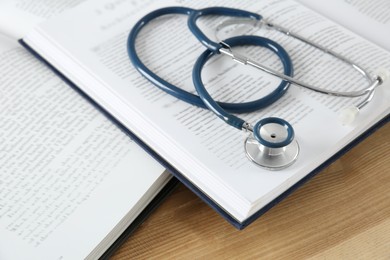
<point>272,145</point>
<point>348,115</point>
<point>383,74</point>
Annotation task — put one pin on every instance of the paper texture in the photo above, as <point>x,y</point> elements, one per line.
<point>370,19</point>
<point>68,176</point>
<point>18,17</point>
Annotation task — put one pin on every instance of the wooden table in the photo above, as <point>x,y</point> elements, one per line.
<point>344,212</point>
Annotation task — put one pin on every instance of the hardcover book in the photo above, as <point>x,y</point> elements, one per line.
<point>87,47</point>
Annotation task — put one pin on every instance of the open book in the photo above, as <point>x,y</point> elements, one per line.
<point>72,184</point>
<point>88,47</point>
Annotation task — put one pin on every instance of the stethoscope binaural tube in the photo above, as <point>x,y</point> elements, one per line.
<point>347,115</point>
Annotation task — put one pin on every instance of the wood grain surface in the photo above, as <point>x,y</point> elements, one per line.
<point>342,213</point>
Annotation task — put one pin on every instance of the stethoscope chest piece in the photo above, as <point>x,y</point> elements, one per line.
<point>272,145</point>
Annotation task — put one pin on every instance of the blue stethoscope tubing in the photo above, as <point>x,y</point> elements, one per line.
<point>222,109</point>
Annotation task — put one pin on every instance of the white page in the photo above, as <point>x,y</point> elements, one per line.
<point>68,175</point>
<point>198,144</point>
<point>370,19</point>
<point>17,17</point>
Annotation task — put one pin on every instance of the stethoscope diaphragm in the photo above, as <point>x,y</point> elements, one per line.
<point>272,145</point>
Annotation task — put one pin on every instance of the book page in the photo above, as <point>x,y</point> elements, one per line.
<point>17,17</point>
<point>70,180</point>
<point>194,140</point>
<point>370,19</point>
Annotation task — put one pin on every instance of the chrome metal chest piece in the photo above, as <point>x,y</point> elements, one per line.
<point>275,147</point>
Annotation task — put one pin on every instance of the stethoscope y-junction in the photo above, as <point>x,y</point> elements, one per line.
<point>272,143</point>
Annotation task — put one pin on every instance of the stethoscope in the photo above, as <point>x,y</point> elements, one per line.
<point>271,144</point>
